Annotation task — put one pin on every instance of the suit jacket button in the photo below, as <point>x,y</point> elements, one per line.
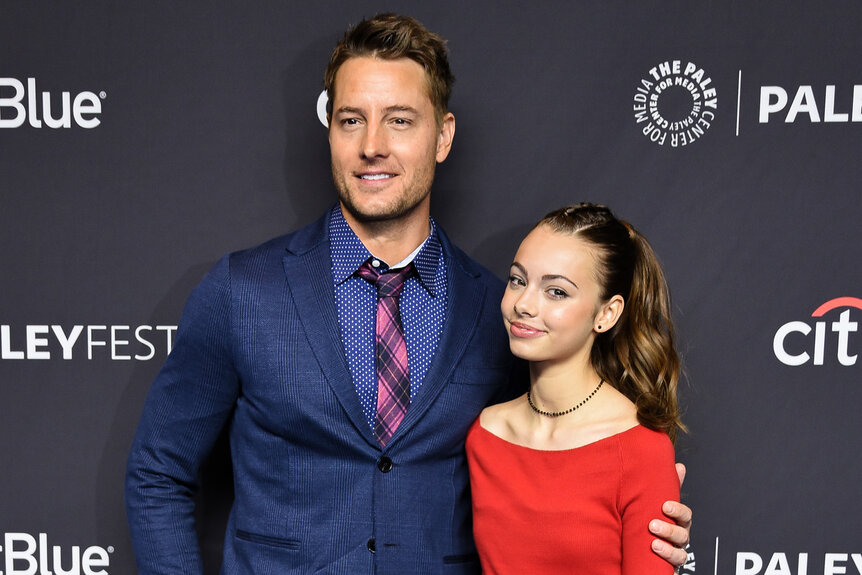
<point>370,544</point>
<point>384,464</point>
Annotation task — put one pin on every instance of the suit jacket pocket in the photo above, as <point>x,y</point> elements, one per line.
<point>267,540</point>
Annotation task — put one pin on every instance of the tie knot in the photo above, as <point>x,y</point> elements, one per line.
<point>389,284</point>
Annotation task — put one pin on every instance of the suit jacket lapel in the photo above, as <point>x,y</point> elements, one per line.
<point>466,298</point>
<point>309,278</point>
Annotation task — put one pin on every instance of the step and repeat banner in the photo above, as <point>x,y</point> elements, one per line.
<point>141,141</point>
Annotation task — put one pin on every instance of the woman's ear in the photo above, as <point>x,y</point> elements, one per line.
<point>609,313</point>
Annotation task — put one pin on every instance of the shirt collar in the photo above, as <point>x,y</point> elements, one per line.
<point>347,253</point>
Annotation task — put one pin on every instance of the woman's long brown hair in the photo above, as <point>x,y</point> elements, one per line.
<point>637,355</point>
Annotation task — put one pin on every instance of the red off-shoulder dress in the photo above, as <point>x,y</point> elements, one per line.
<point>576,511</point>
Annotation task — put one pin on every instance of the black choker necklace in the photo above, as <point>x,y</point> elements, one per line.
<point>559,413</point>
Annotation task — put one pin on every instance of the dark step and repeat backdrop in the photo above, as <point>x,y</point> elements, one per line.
<point>140,141</point>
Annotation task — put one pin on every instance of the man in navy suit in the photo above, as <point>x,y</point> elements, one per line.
<point>278,344</point>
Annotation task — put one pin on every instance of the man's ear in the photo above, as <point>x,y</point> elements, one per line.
<point>445,136</point>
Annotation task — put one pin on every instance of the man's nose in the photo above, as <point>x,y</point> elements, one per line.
<point>375,143</point>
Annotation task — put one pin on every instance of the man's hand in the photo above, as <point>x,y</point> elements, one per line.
<point>672,538</point>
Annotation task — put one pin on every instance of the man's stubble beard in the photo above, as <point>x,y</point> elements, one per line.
<point>413,194</point>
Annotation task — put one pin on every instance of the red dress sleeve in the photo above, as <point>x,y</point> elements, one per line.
<point>648,479</point>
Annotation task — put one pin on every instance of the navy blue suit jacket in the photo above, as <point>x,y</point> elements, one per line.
<point>259,349</point>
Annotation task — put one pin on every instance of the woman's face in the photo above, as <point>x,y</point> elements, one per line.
<point>552,306</point>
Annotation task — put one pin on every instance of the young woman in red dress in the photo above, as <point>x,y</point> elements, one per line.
<point>566,478</point>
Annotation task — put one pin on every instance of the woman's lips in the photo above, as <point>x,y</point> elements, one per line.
<point>524,331</point>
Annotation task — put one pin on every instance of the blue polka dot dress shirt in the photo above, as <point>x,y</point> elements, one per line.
<point>423,309</point>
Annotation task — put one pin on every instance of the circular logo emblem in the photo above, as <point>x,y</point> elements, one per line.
<point>675,103</point>
<point>322,100</point>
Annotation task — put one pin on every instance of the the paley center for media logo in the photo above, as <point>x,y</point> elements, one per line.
<point>831,332</point>
<point>675,103</point>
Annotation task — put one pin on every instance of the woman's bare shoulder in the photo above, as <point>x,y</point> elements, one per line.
<point>498,418</point>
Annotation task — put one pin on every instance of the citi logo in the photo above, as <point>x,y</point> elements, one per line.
<point>794,344</point>
<point>52,110</point>
<point>27,555</point>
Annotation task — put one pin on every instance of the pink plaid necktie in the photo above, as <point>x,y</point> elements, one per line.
<point>393,372</point>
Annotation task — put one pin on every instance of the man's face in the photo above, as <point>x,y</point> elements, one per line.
<point>384,139</point>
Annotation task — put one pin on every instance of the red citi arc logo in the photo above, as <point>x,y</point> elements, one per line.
<point>795,345</point>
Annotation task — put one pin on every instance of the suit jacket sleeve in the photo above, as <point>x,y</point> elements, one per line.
<point>187,406</point>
